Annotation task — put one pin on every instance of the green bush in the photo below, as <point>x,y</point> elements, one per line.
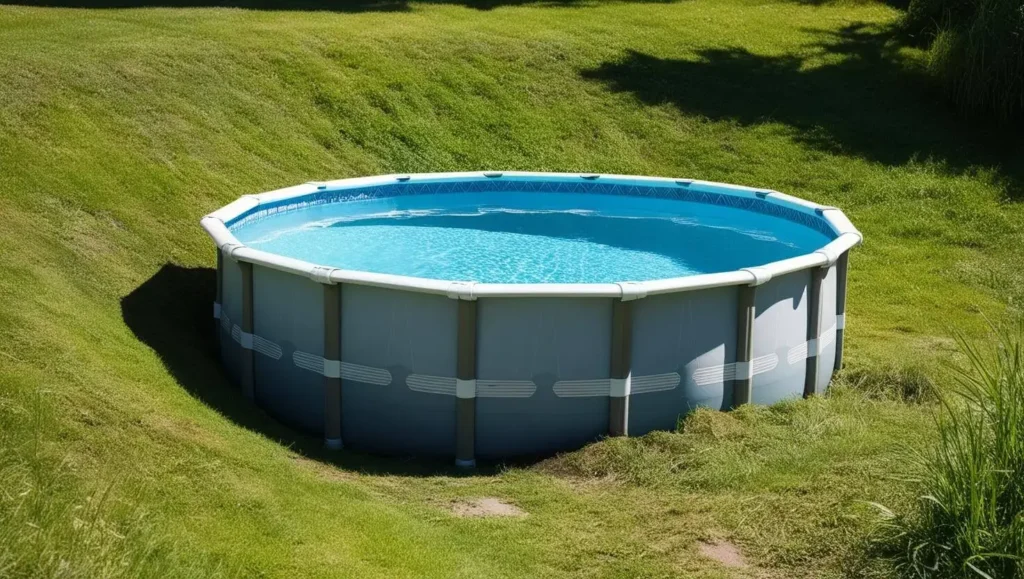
<point>971,514</point>
<point>977,51</point>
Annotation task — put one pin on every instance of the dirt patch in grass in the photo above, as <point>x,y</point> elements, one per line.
<point>486,507</point>
<point>724,552</point>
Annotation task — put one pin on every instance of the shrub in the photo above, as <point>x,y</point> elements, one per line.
<point>977,51</point>
<point>970,518</point>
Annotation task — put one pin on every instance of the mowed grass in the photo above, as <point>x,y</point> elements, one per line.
<point>123,451</point>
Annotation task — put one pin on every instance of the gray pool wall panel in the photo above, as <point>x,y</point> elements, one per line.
<point>780,329</point>
<point>684,350</point>
<point>288,318</point>
<point>409,408</point>
<point>542,374</point>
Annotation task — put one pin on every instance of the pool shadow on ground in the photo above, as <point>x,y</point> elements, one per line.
<point>309,5</point>
<point>866,101</point>
<point>172,314</point>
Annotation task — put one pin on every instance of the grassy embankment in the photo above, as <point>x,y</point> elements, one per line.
<point>122,450</point>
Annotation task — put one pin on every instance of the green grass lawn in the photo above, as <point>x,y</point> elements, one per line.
<point>123,450</point>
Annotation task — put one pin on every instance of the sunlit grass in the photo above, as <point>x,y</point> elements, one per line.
<point>120,128</point>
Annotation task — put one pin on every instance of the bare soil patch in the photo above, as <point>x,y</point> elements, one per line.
<point>724,552</point>
<point>486,507</point>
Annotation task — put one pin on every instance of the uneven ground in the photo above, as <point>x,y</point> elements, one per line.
<point>124,452</point>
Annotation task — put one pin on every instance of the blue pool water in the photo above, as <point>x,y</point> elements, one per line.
<point>530,237</point>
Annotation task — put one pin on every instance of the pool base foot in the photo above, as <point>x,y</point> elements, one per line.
<point>465,463</point>
<point>333,444</point>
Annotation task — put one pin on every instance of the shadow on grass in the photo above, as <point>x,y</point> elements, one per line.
<point>171,313</point>
<point>897,4</point>
<point>309,5</point>
<point>865,102</point>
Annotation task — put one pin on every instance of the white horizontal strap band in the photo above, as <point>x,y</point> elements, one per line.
<point>797,353</point>
<point>714,374</point>
<point>840,321</point>
<point>620,387</point>
<point>256,343</point>
<point>505,388</point>
<point>582,388</point>
<point>735,370</point>
<point>266,347</point>
<point>814,346</point>
<point>365,374</point>
<point>343,370</point>
<point>744,371</point>
<point>465,388</point>
<point>654,383</point>
<point>331,368</point>
<point>314,363</point>
<point>765,363</point>
<point>431,384</point>
<point>216,310</point>
<point>826,339</point>
<point>225,322</point>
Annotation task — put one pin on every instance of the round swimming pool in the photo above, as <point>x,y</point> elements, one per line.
<point>504,314</point>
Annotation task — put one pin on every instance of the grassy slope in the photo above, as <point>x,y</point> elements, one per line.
<point>119,128</point>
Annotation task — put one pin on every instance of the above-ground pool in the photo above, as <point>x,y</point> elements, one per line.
<point>507,314</point>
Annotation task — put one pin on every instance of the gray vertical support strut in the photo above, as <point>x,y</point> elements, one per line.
<point>332,361</point>
<point>465,385</point>
<point>218,299</point>
<point>813,328</point>
<point>743,382</point>
<point>248,370</point>
<point>841,268</point>
<point>621,362</point>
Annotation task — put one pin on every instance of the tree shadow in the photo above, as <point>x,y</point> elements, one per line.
<point>897,4</point>
<point>309,5</point>
<point>171,313</point>
<point>869,103</point>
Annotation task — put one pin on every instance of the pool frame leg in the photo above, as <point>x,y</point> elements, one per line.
<point>465,389</point>
<point>332,357</point>
<point>842,266</point>
<point>814,292</point>
<point>621,364</point>
<point>218,299</point>
<point>248,360</point>
<point>743,381</point>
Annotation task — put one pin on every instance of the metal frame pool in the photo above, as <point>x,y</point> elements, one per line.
<point>412,366</point>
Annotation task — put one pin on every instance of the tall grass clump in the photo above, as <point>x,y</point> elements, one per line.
<point>970,519</point>
<point>977,51</point>
<point>50,526</point>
